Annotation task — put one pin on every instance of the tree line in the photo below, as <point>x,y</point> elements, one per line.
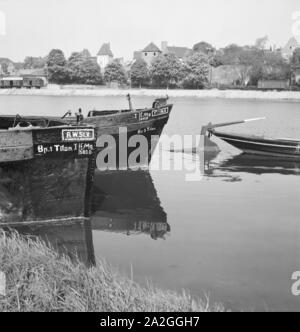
<point>79,68</point>
<point>167,71</point>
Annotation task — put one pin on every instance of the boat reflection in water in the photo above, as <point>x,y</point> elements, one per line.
<point>49,198</point>
<point>260,165</point>
<point>126,202</point>
<point>74,240</point>
<point>230,168</point>
<point>214,165</point>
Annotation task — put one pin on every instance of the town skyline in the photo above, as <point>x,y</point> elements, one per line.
<point>22,39</point>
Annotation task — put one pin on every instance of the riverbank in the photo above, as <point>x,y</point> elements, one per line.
<point>39,280</point>
<point>92,91</point>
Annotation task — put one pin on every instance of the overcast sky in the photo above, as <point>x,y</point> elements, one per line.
<point>34,27</point>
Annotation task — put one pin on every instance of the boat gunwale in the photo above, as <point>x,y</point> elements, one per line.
<point>28,129</point>
<point>259,140</point>
<point>127,112</point>
<point>73,118</point>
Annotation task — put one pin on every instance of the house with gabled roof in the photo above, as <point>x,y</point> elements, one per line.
<point>148,54</point>
<point>7,67</point>
<point>289,49</point>
<point>180,52</point>
<point>104,56</point>
<point>296,67</point>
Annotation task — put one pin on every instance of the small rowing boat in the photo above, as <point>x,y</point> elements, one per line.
<point>261,146</point>
<point>255,145</point>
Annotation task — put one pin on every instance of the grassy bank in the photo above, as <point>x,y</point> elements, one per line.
<point>39,280</point>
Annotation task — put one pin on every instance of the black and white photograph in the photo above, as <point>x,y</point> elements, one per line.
<point>149,158</point>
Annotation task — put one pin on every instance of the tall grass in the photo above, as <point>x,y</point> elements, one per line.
<point>38,279</point>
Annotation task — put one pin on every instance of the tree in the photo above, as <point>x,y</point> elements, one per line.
<point>261,43</point>
<point>196,71</point>
<point>166,70</point>
<point>34,62</point>
<point>139,73</point>
<point>230,55</point>
<point>204,47</point>
<point>114,72</point>
<point>83,69</point>
<point>91,72</point>
<point>56,58</point>
<point>269,66</point>
<point>86,53</point>
<point>56,65</point>
<point>296,58</point>
<point>74,67</point>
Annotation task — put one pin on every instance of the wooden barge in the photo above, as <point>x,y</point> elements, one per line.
<point>120,124</point>
<point>20,144</point>
<point>46,173</point>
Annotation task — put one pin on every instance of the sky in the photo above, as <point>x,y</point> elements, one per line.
<point>34,27</point>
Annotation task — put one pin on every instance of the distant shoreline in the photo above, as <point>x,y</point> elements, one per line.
<point>91,91</point>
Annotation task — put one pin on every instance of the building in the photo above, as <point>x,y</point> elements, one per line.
<point>296,75</point>
<point>104,56</point>
<point>273,84</point>
<point>39,72</point>
<point>181,52</point>
<point>289,49</point>
<point>148,54</point>
<point>7,67</point>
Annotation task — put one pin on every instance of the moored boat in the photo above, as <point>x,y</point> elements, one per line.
<point>46,174</point>
<point>120,124</point>
<point>255,145</point>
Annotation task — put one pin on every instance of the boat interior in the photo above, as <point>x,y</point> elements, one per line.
<point>254,137</point>
<point>104,113</point>
<point>9,122</point>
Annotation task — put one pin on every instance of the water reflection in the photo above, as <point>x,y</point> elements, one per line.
<point>127,202</point>
<point>228,167</point>
<point>49,199</point>
<point>40,190</point>
<point>74,240</point>
<point>260,165</point>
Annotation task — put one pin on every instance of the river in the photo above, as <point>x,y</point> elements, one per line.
<point>234,235</point>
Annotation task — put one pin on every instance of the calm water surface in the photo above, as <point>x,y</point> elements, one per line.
<point>234,235</point>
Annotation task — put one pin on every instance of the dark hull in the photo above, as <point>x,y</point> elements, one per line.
<point>122,149</point>
<point>55,142</point>
<point>45,191</point>
<point>54,185</point>
<point>58,143</point>
<point>260,146</point>
<point>148,123</point>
